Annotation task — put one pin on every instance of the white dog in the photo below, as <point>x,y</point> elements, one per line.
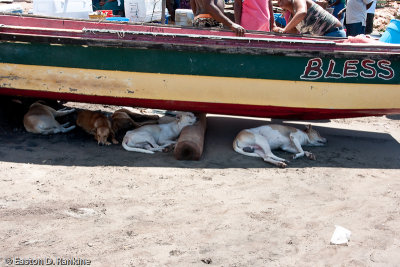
<point>40,119</point>
<point>258,142</point>
<point>150,138</point>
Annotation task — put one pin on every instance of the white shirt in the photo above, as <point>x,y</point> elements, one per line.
<point>371,9</point>
<point>356,11</point>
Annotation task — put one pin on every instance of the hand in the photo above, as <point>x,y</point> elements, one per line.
<point>277,29</point>
<point>339,15</point>
<point>239,30</point>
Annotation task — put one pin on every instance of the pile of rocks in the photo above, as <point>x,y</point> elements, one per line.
<point>385,14</point>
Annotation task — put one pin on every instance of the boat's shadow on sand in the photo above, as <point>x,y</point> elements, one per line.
<point>345,149</point>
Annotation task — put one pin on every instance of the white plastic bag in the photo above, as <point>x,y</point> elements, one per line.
<point>341,236</point>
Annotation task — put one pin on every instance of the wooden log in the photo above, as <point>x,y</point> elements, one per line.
<point>191,141</point>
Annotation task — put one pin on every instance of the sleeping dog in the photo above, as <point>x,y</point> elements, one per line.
<point>40,119</point>
<point>124,119</point>
<point>97,124</point>
<point>258,142</point>
<point>150,138</point>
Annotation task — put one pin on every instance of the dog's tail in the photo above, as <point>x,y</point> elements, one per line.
<point>136,149</point>
<point>245,150</point>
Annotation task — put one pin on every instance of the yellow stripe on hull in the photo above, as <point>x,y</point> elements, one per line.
<point>296,94</point>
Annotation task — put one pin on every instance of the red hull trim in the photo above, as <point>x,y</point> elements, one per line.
<point>216,108</point>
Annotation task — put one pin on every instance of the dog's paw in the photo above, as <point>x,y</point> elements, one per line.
<point>310,155</point>
<point>168,148</point>
<point>281,164</point>
<point>115,142</point>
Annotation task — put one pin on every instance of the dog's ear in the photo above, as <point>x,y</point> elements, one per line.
<point>109,123</point>
<point>178,117</point>
<point>308,127</point>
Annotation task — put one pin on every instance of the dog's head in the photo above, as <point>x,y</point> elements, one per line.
<point>315,139</point>
<point>102,134</point>
<point>186,118</point>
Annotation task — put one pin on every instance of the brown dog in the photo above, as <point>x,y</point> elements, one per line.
<point>97,124</point>
<point>40,119</point>
<point>124,119</point>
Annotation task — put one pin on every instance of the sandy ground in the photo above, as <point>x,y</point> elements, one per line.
<point>63,196</point>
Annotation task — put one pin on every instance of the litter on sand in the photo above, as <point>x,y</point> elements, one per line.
<point>341,236</point>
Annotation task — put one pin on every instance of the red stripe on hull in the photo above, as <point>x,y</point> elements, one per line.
<point>217,108</point>
<point>75,24</point>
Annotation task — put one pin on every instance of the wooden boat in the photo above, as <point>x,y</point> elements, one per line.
<point>156,66</point>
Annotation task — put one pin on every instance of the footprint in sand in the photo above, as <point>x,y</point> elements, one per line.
<point>80,212</point>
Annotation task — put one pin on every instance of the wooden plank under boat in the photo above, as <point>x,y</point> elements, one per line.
<point>156,66</point>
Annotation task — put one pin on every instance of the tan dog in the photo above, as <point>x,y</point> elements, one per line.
<point>150,138</point>
<point>124,119</point>
<point>40,119</point>
<point>258,142</point>
<point>97,124</point>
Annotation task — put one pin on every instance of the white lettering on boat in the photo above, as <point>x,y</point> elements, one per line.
<point>155,29</point>
<point>352,68</point>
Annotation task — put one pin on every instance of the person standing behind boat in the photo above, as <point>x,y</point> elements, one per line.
<point>369,25</point>
<point>356,16</point>
<point>210,13</point>
<point>256,15</point>
<point>307,17</point>
<point>337,6</point>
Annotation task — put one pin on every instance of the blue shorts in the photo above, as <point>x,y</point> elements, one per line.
<point>336,32</point>
<point>354,29</point>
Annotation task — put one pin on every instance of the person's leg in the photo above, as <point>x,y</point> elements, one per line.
<point>338,33</point>
<point>354,29</point>
<point>171,9</point>
<point>370,23</point>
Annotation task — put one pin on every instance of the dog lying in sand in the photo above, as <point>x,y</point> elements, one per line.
<point>97,124</point>
<point>124,119</point>
<point>258,142</point>
<point>40,119</point>
<point>151,138</point>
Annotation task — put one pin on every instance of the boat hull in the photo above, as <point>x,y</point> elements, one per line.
<point>287,78</point>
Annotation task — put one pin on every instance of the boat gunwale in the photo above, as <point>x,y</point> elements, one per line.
<point>268,37</point>
<point>295,51</point>
<point>158,25</point>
